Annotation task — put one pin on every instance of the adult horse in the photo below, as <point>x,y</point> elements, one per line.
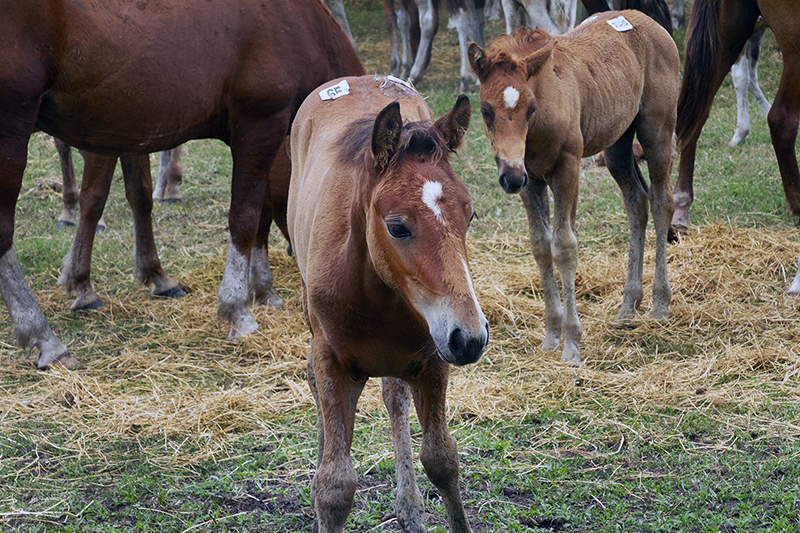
<point>547,101</point>
<point>378,221</point>
<point>717,33</point>
<point>127,79</point>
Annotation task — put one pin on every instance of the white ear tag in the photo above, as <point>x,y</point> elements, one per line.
<point>332,93</point>
<point>620,23</point>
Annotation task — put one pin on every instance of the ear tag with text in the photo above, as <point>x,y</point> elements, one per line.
<point>332,93</point>
<point>620,24</point>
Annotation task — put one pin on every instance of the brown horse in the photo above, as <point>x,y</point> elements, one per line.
<point>122,79</point>
<point>547,101</point>
<point>717,33</point>
<point>378,221</point>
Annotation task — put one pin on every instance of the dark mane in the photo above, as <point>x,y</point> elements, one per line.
<point>507,51</point>
<point>417,138</point>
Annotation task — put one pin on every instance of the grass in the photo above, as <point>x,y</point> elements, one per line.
<point>691,426</point>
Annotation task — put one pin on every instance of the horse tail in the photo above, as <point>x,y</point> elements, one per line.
<point>657,10</point>
<point>701,55</point>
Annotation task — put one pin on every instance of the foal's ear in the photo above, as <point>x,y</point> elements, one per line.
<point>477,60</point>
<point>536,60</point>
<point>386,134</point>
<point>453,126</point>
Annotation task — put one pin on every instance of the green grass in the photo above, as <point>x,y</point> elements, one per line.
<point>583,459</point>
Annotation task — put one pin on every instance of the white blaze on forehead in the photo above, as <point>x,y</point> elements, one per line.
<point>510,95</point>
<point>431,194</point>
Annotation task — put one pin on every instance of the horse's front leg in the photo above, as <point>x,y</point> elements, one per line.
<point>98,171</point>
<point>438,453</point>
<point>537,206</point>
<point>408,503</point>
<point>253,150</point>
<point>139,193</point>
<point>565,252</point>
<point>334,484</point>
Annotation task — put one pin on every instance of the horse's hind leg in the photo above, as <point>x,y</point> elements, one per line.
<point>138,191</point>
<point>744,74</point>
<point>408,503</point>
<point>98,171</point>
<point>170,177</point>
<point>783,122</point>
<point>622,165</point>
<point>537,206</point>
<point>438,453</point>
<point>428,24</point>
<point>69,185</point>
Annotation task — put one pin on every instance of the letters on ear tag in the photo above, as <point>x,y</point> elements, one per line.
<point>332,93</point>
<point>620,24</point>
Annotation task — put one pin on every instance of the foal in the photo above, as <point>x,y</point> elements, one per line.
<point>547,101</point>
<point>378,220</point>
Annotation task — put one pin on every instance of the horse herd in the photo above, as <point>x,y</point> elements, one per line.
<point>361,185</point>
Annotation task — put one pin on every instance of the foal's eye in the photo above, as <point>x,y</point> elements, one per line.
<point>487,113</point>
<point>531,109</point>
<point>398,230</point>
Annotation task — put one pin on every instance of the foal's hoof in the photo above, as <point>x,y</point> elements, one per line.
<point>65,359</point>
<point>571,355</point>
<point>64,224</point>
<point>88,306</point>
<point>171,201</point>
<point>174,292</point>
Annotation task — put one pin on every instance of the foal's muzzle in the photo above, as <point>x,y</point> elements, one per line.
<point>467,347</point>
<point>512,178</point>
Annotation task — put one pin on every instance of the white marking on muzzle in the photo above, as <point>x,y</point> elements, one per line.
<point>510,95</point>
<point>431,194</point>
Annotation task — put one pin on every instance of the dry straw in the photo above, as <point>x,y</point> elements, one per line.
<point>164,368</point>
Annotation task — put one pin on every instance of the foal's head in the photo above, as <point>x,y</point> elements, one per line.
<point>507,102</point>
<point>417,212</point>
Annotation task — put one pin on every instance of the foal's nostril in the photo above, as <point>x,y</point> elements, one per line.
<point>503,180</point>
<point>456,342</point>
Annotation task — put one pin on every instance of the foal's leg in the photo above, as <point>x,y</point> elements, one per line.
<point>170,177</point>
<point>783,122</point>
<point>139,192</point>
<point>438,454</point>
<point>98,171</point>
<point>537,206</point>
<point>622,165</point>
<point>408,503</point>
<point>334,484</point>
<point>565,251</point>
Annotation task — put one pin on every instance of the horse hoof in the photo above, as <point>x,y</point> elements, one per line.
<point>99,229</point>
<point>171,201</point>
<point>64,224</point>
<point>675,232</point>
<point>91,306</point>
<point>174,292</point>
<point>65,360</point>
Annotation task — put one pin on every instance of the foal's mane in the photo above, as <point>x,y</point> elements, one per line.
<point>416,138</point>
<point>507,51</point>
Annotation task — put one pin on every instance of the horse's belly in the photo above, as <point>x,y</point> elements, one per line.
<point>124,123</point>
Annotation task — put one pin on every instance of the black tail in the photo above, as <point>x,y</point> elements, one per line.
<point>701,56</point>
<point>657,10</point>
